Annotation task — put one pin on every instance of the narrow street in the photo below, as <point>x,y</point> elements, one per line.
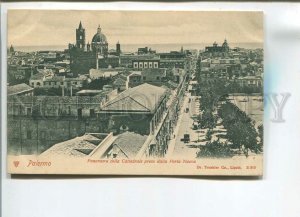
<point>178,148</point>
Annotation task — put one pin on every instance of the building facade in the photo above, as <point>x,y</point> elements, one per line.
<point>137,109</point>
<point>35,123</point>
<point>145,64</point>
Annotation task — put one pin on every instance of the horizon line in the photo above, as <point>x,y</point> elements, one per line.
<point>186,43</point>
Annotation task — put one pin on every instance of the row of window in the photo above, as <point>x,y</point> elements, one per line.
<point>79,111</point>
<point>145,65</point>
<point>51,83</point>
<point>250,83</point>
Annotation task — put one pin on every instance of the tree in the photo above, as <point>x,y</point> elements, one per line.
<point>240,129</point>
<point>208,135</point>
<point>215,149</point>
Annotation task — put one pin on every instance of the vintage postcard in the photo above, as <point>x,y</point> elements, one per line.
<point>135,92</point>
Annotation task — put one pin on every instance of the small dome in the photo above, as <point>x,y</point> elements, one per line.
<point>99,37</point>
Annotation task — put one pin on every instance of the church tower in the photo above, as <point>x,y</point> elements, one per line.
<point>80,37</point>
<point>11,49</point>
<point>118,48</point>
<point>225,46</point>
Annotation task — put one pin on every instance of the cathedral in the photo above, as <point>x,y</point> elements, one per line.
<point>84,57</point>
<point>215,48</point>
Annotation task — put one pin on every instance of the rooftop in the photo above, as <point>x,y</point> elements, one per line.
<point>119,81</point>
<point>103,72</point>
<point>18,88</point>
<point>142,98</point>
<point>38,76</point>
<point>154,72</point>
<point>130,143</point>
<point>55,78</point>
<point>81,78</point>
<point>135,73</point>
<point>88,92</point>
<point>76,147</point>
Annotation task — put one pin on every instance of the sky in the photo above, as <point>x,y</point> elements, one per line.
<point>57,27</point>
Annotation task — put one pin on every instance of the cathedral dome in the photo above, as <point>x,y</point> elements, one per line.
<point>99,37</point>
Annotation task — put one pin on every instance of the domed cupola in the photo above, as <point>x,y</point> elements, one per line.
<point>99,43</point>
<point>99,37</point>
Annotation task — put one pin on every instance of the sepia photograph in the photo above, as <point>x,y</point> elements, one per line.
<point>135,92</point>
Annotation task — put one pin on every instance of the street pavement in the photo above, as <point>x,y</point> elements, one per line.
<point>177,148</point>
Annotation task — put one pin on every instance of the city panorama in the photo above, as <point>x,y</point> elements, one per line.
<point>135,85</point>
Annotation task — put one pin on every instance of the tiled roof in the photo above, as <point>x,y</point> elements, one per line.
<point>38,76</point>
<point>77,147</point>
<point>130,143</point>
<point>18,88</point>
<point>103,73</point>
<point>144,98</point>
<point>119,81</point>
<point>55,78</point>
<point>45,71</point>
<point>76,79</point>
<point>135,73</point>
<point>154,72</point>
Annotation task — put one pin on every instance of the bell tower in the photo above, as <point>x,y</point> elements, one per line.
<point>118,48</point>
<point>80,37</point>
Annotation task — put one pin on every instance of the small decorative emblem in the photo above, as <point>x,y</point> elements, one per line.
<point>16,163</point>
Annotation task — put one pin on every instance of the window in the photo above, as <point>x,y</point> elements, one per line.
<point>79,112</point>
<point>150,64</point>
<point>92,113</point>
<point>141,65</point>
<point>62,83</point>
<point>155,65</point>
<point>135,65</point>
<point>20,109</point>
<point>157,78</point>
<point>28,134</point>
<point>145,65</point>
<point>28,111</point>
